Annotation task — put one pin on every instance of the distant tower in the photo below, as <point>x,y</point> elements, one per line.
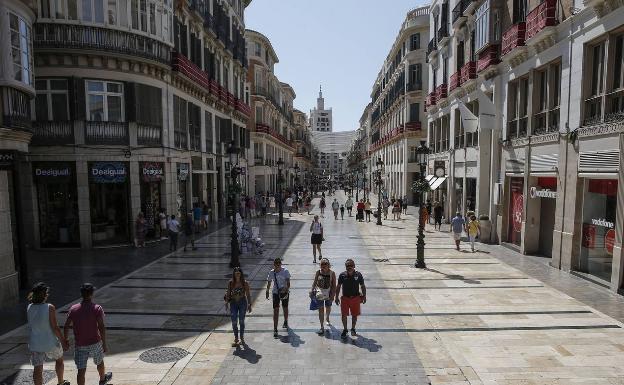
<point>320,118</point>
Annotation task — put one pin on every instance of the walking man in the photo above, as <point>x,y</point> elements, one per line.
<point>335,207</point>
<point>457,225</point>
<point>351,282</point>
<point>438,210</point>
<point>87,319</point>
<point>280,277</point>
<point>349,204</point>
<point>289,204</point>
<point>173,226</point>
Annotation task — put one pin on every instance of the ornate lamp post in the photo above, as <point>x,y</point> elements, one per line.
<point>280,180</point>
<point>364,181</point>
<point>233,152</point>
<point>421,186</point>
<point>297,177</point>
<point>379,183</point>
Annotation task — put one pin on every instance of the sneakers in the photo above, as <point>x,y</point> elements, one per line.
<point>285,325</point>
<point>344,334</point>
<point>321,331</point>
<point>65,382</point>
<point>107,377</point>
<point>275,335</point>
<point>235,343</point>
<point>353,333</point>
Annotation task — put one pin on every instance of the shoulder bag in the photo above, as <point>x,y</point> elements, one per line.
<point>283,295</point>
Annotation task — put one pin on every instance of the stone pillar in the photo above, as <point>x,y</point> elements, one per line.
<point>9,283</point>
<point>134,176</point>
<point>617,274</point>
<point>532,206</point>
<point>84,208</point>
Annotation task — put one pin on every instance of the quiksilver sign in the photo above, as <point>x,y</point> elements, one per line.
<point>546,193</point>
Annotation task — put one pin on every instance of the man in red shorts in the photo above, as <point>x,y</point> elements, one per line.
<point>350,281</point>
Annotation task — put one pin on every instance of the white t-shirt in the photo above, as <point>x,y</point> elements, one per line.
<point>173,225</point>
<point>281,276</point>
<point>289,201</point>
<point>316,228</point>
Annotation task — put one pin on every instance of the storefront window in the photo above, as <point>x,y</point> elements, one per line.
<point>57,203</point>
<point>181,202</point>
<point>108,195</point>
<point>599,208</point>
<point>516,210</point>
<point>151,179</point>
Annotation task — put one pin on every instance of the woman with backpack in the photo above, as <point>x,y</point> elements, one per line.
<point>323,290</point>
<point>238,298</point>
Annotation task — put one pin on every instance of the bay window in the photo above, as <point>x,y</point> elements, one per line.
<point>546,98</point>
<point>487,25</point>
<point>104,101</point>
<point>21,49</point>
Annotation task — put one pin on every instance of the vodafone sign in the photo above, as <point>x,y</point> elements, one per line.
<point>546,193</point>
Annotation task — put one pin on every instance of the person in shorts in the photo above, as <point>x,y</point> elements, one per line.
<point>280,278</point>
<point>351,282</point>
<point>87,319</point>
<point>44,338</point>
<point>457,226</point>
<point>323,290</point>
<point>316,228</point>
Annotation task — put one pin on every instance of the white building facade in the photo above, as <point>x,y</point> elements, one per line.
<point>321,118</point>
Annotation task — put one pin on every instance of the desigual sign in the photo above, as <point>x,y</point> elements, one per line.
<point>152,172</point>
<point>546,193</point>
<point>108,172</point>
<point>52,172</point>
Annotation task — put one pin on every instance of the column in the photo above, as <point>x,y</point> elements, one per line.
<point>9,286</point>
<point>617,275</point>
<point>84,209</point>
<point>135,194</point>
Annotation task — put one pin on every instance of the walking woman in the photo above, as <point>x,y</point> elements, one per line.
<point>239,300</point>
<point>323,289</point>
<point>322,206</point>
<point>139,230</point>
<point>316,228</point>
<point>45,337</point>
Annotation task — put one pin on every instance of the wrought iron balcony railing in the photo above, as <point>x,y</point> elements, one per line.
<point>106,133</point>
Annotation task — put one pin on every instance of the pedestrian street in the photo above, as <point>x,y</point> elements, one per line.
<point>468,318</point>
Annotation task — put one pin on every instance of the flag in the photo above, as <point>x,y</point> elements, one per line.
<point>469,120</point>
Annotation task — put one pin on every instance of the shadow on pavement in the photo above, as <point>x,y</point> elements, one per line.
<point>245,352</point>
<point>292,338</point>
<point>456,277</point>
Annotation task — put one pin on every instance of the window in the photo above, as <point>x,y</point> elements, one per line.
<point>615,101</point>
<point>414,112</point>
<point>148,105</point>
<point>194,125</point>
<point>21,49</point>
<point>258,49</point>
<point>209,131</point>
<point>519,11</point>
<point>593,103</point>
<point>415,42</point>
<point>517,107</point>
<point>104,101</point>
<point>52,100</point>
<point>482,25</point>
<point>93,11</point>
<point>180,122</point>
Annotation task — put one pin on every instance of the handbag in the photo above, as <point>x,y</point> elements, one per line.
<point>283,295</point>
<point>314,305</point>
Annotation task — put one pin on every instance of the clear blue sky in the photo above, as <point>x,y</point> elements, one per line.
<point>340,44</point>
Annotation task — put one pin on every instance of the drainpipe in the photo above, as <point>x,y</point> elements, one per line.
<point>573,12</point>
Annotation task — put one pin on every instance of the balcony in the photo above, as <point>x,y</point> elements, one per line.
<point>411,87</point>
<point>513,38</point>
<point>488,58</point>
<point>148,135</point>
<point>241,106</point>
<point>183,65</point>
<point>412,126</point>
<point>546,122</point>
<point>459,17</point>
<point>180,139</point>
<point>432,46</point>
<point>441,92</point>
<point>443,33</point>
<point>455,81</point>
<point>53,132</point>
<point>111,41</point>
<point>106,133</point>
<point>431,100</point>
<point>468,71</point>
<point>264,129</point>
<point>542,16</point>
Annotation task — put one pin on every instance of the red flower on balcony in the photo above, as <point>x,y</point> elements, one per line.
<point>488,57</point>
<point>542,16</point>
<point>182,64</point>
<point>431,100</point>
<point>513,37</point>
<point>468,71</point>
<point>441,92</point>
<point>455,81</point>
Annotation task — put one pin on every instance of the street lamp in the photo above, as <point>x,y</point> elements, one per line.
<point>296,177</point>
<point>280,166</point>
<point>421,158</point>
<point>233,152</point>
<point>379,183</point>
<point>364,181</point>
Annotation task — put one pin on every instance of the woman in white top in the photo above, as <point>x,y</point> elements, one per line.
<point>45,337</point>
<point>324,289</point>
<point>317,237</point>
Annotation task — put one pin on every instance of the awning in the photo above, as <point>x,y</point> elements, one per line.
<point>437,183</point>
<point>429,177</point>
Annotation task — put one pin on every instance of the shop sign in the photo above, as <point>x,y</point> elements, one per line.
<point>545,193</point>
<point>518,209</point>
<point>52,172</point>
<point>7,159</point>
<point>183,171</point>
<point>609,241</point>
<point>602,223</point>
<point>152,172</point>
<point>108,172</point>
<point>589,236</point>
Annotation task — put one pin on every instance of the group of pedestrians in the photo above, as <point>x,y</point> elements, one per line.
<point>46,341</point>
<point>348,291</point>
